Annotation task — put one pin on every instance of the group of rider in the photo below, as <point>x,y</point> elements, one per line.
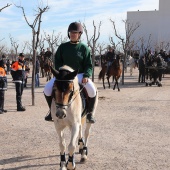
<point>150,66</point>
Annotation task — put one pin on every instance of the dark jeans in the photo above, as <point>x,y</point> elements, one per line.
<point>2,93</point>
<point>19,90</point>
<point>37,80</point>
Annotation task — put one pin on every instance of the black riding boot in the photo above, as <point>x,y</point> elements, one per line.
<point>90,118</point>
<point>1,101</point>
<point>49,101</point>
<point>19,104</point>
<point>3,110</point>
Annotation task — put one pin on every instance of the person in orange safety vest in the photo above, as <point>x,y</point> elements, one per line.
<point>18,75</point>
<point>3,86</point>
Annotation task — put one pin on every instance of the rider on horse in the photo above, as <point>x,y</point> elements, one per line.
<point>110,56</point>
<point>47,54</point>
<point>76,55</point>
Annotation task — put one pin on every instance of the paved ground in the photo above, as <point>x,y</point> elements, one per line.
<point>132,131</point>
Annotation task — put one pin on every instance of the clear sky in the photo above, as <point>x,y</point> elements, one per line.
<point>62,12</point>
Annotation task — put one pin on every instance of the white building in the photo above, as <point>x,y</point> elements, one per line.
<point>154,24</point>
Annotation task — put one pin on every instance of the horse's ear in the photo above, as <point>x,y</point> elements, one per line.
<point>55,72</point>
<point>71,75</point>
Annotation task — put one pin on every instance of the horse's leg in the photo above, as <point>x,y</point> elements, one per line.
<point>62,146</point>
<point>116,83</point>
<point>108,77</point>
<point>85,149</point>
<point>80,140</point>
<point>72,146</point>
<point>103,81</point>
<point>42,72</point>
<point>46,75</point>
<point>131,71</point>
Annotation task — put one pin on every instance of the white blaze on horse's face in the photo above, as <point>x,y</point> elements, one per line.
<point>62,98</point>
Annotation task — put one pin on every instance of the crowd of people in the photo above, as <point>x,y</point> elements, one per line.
<point>149,61</point>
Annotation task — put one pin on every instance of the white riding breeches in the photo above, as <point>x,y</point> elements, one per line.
<point>89,86</point>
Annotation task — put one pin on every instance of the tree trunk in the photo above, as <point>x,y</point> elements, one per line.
<point>33,70</point>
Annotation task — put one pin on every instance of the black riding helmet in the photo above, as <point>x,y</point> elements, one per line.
<point>75,27</point>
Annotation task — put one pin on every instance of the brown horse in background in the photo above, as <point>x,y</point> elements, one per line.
<point>47,68</point>
<point>41,59</point>
<point>115,70</point>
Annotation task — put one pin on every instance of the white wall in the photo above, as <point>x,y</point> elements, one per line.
<point>156,23</point>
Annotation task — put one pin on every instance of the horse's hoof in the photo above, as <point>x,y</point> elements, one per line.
<point>72,169</point>
<point>83,160</point>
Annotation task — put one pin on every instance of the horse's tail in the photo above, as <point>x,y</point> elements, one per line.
<point>100,75</point>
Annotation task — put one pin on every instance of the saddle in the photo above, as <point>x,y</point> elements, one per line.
<point>85,101</point>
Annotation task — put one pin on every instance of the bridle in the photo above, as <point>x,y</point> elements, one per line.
<point>72,92</point>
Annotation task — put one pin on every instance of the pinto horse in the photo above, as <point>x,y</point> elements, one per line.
<point>66,111</point>
<point>115,70</point>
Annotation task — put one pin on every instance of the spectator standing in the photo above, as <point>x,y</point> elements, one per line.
<point>27,72</point>
<point>3,86</point>
<point>18,75</point>
<point>141,69</point>
<point>8,66</point>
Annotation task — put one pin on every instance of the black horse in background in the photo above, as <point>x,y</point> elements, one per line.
<point>154,70</point>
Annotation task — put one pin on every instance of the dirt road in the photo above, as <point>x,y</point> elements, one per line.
<point>132,131</point>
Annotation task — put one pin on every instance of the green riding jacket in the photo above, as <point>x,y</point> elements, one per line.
<point>77,56</point>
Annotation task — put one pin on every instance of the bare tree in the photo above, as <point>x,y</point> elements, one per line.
<point>2,39</point>
<point>30,49</point>
<point>130,28</point>
<point>2,47</point>
<point>24,45</point>
<point>5,7</point>
<point>15,45</point>
<point>100,48</point>
<point>41,43</point>
<point>92,41</point>
<point>35,40</point>
<point>53,41</point>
